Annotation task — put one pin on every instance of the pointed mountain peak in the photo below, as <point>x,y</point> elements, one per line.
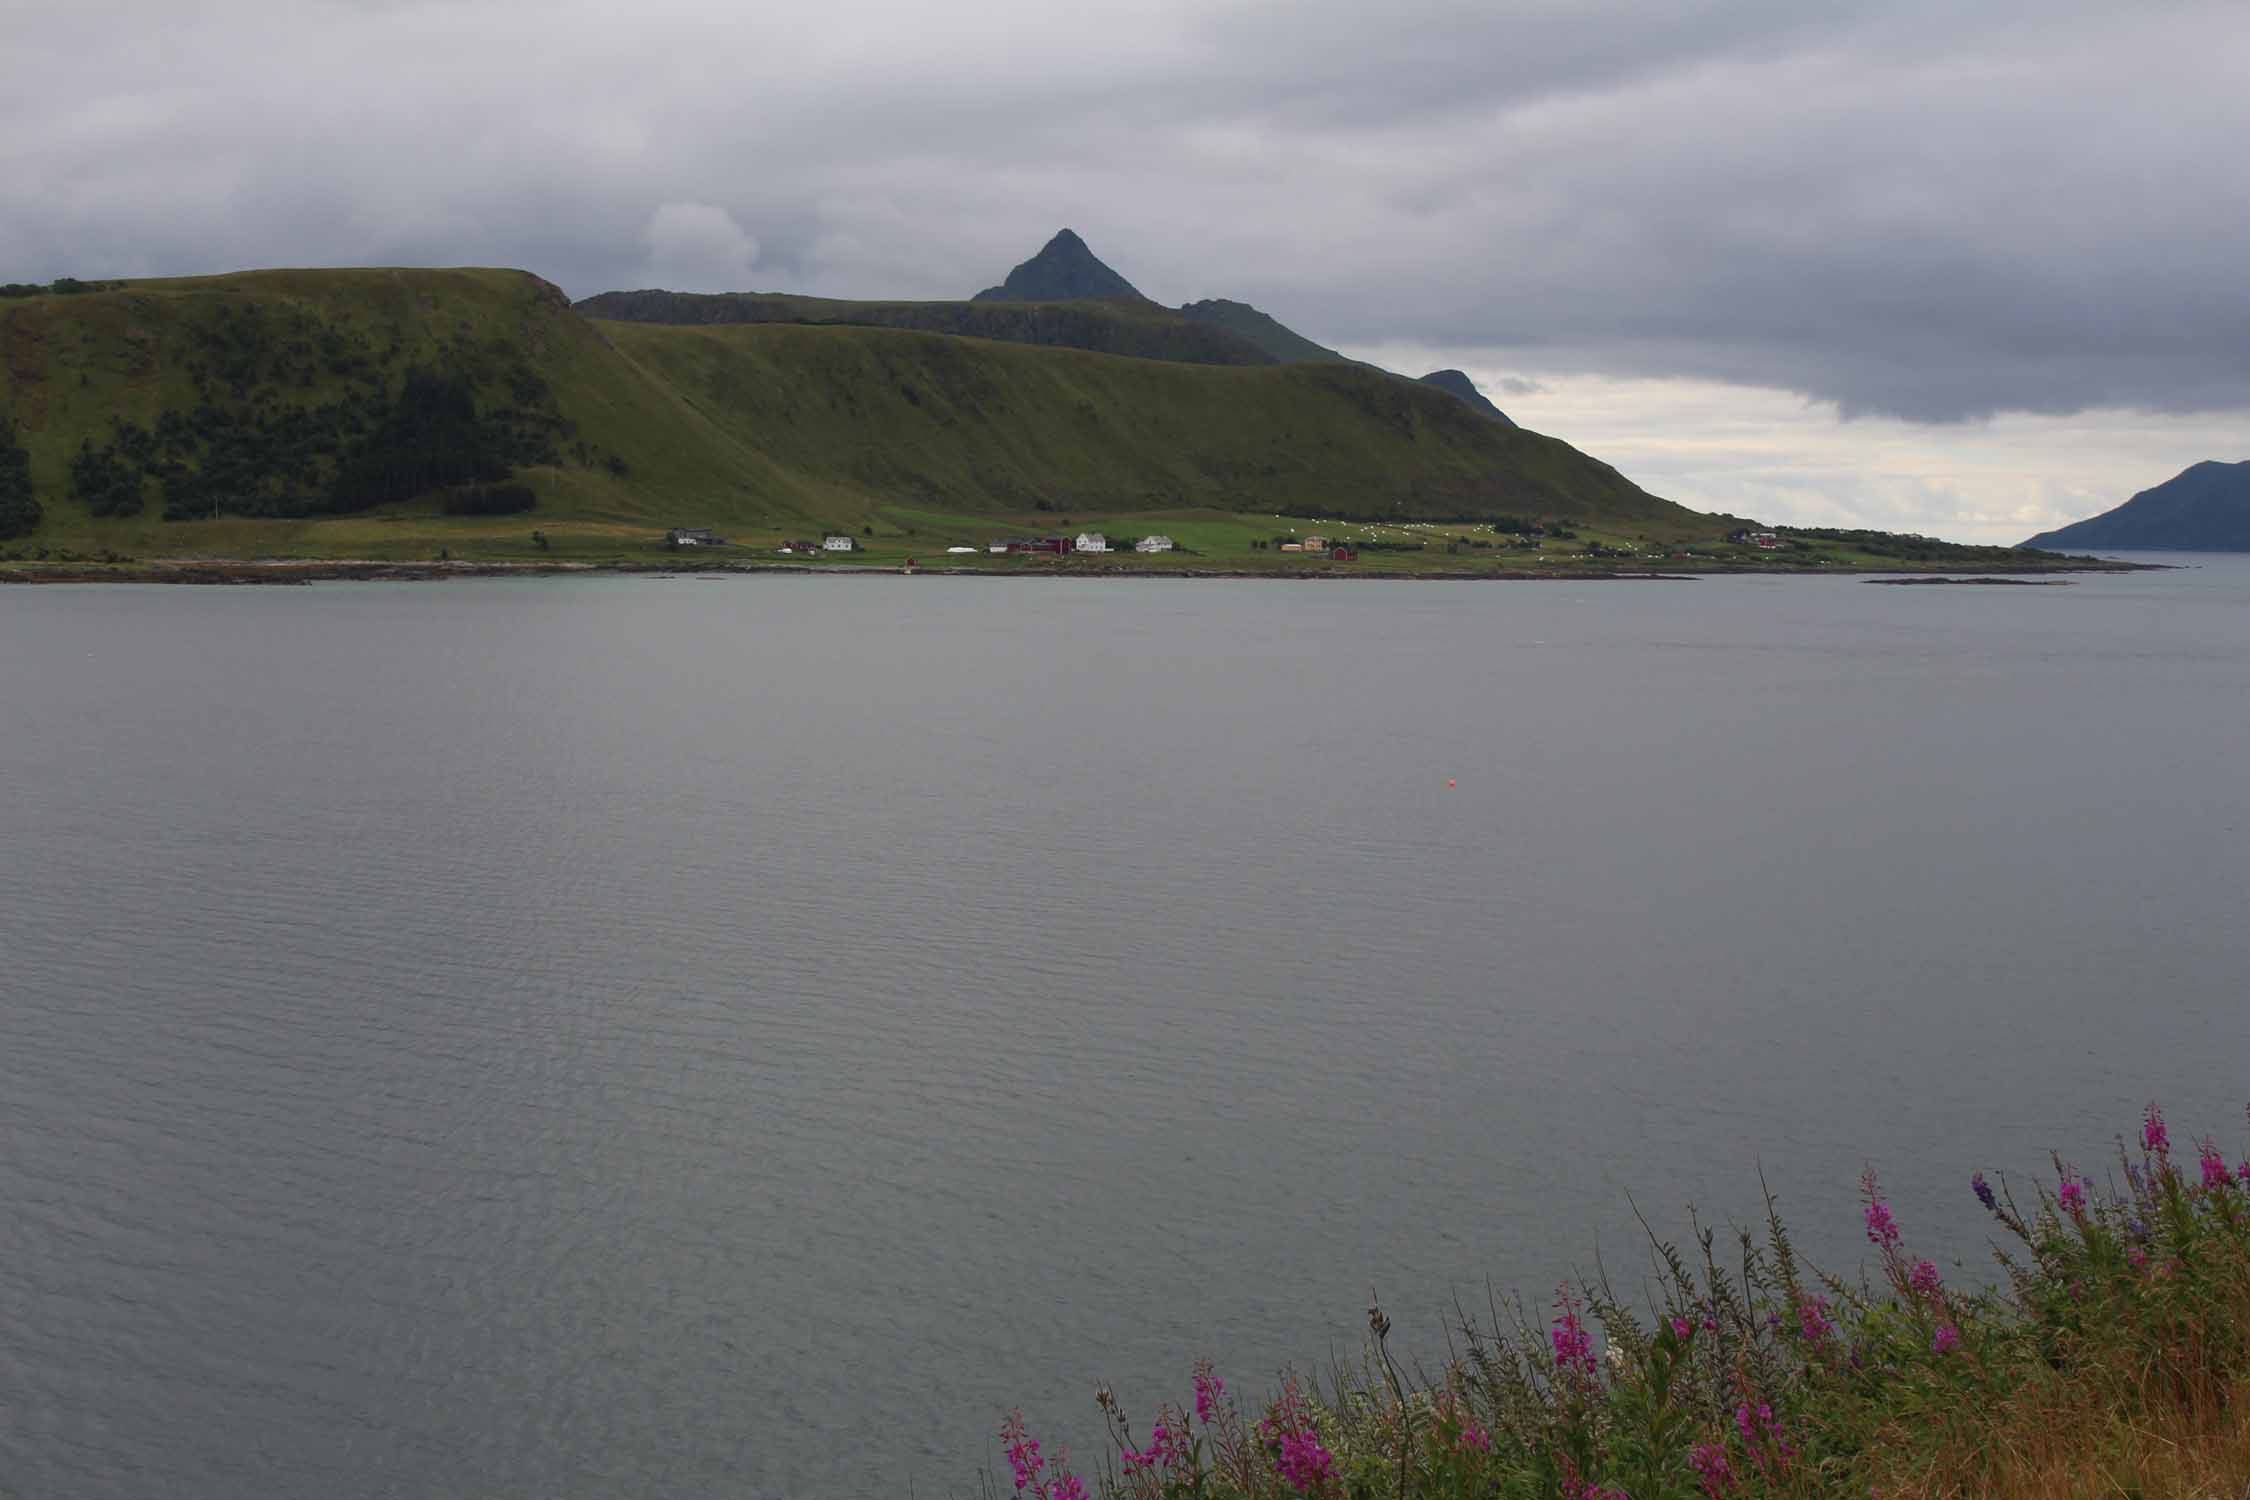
<point>1461,385</point>
<point>1063,271</point>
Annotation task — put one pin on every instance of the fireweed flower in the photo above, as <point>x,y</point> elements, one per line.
<point>1573,1345</point>
<point>1947,1339</point>
<point>1209,1391</point>
<point>1812,1320</point>
<point>2154,1137</point>
<point>1709,1460</point>
<point>1303,1462</point>
<point>1881,1228</point>
<point>1924,1279</point>
<point>1474,1437</point>
<point>2215,1173</point>
<point>1682,1329</point>
<point>2072,1196</point>
<point>2137,1258</point>
<point>1022,1450</point>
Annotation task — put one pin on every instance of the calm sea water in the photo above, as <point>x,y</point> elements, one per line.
<point>732,1037</point>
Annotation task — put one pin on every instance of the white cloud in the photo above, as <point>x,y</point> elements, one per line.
<point>1906,207</point>
<point>1772,455</point>
<point>698,247</point>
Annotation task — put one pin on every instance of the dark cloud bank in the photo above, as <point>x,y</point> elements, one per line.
<point>1927,210</point>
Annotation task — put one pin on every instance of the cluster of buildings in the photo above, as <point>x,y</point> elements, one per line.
<point>1085,541</point>
<point>699,536</point>
<point>1333,551</point>
<point>1764,540</point>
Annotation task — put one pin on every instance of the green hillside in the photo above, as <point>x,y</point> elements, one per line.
<point>1458,383</point>
<point>1270,334</point>
<point>985,426</point>
<point>331,413</point>
<point>1140,329</point>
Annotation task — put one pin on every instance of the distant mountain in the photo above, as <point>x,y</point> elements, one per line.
<point>1063,271</point>
<point>1286,345</point>
<point>1461,385</point>
<point>2204,508</point>
<point>1063,297</point>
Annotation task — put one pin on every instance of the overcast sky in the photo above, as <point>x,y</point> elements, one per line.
<point>1972,269</point>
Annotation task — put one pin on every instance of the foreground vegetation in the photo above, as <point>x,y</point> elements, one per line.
<point>2112,1359</point>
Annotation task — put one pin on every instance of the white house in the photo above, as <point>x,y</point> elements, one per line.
<point>998,548</point>
<point>837,544</point>
<point>1153,544</point>
<point>1092,541</point>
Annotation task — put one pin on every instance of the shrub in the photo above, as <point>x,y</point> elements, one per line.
<point>20,511</point>
<point>2114,1357</point>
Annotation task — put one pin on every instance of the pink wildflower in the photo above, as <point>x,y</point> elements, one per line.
<point>1924,1279</point>
<point>2137,1258</point>
<point>1022,1450</point>
<point>1882,1229</point>
<point>1303,1462</point>
<point>1573,1345</point>
<point>1210,1390</point>
<point>1812,1320</point>
<point>2154,1137</point>
<point>2215,1173</point>
<point>1474,1436</point>
<point>2072,1196</point>
<point>1947,1339</point>
<point>1762,1436</point>
<point>1709,1460</point>
<point>1682,1329</point>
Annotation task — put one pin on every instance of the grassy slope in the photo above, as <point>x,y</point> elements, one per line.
<point>68,365</point>
<point>1141,329</point>
<point>777,428</point>
<point>967,425</point>
<point>1277,339</point>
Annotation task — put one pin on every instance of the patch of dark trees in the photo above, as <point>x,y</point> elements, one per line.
<point>61,286</point>
<point>242,450</point>
<point>1906,545</point>
<point>19,509</point>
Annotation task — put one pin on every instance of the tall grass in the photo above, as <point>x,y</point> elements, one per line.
<point>2111,1356</point>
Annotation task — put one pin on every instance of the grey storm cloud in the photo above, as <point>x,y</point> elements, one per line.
<point>1925,210</point>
